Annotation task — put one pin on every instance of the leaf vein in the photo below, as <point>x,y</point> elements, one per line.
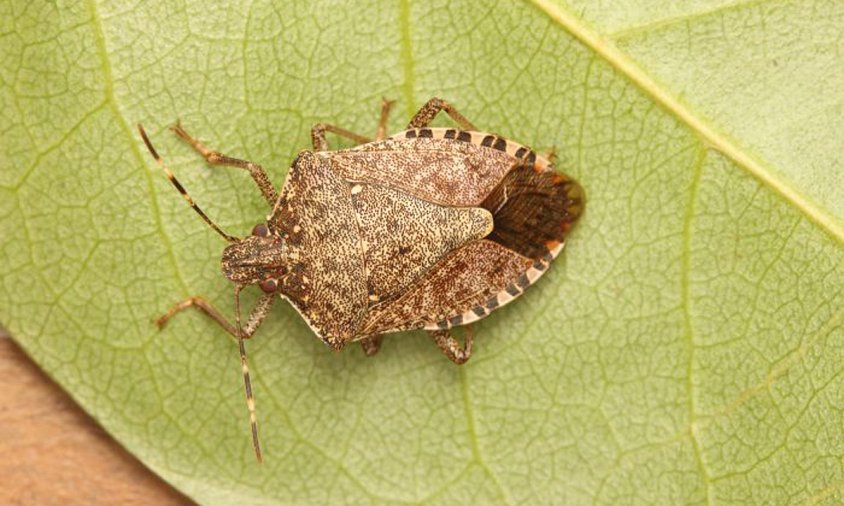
<point>712,137</point>
<point>111,99</point>
<point>684,18</point>
<point>687,317</point>
<point>473,437</point>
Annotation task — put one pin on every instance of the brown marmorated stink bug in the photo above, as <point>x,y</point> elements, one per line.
<point>430,229</point>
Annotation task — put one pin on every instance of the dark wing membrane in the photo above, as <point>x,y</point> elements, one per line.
<point>533,209</point>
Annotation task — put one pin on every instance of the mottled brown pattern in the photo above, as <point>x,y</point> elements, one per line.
<point>437,170</point>
<point>316,212</point>
<point>402,236</point>
<point>418,203</point>
<point>388,236</point>
<point>464,279</point>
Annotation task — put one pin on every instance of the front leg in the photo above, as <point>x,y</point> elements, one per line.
<point>216,158</point>
<point>256,316</point>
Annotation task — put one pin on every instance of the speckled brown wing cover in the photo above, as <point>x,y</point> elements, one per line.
<point>430,228</point>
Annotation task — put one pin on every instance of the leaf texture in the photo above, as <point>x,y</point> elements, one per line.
<point>686,348</point>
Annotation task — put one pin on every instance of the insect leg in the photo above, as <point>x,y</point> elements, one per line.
<point>452,349</point>
<point>181,188</point>
<point>429,111</point>
<point>371,345</point>
<point>321,143</point>
<point>216,158</point>
<point>381,132</point>
<point>256,316</point>
<point>550,154</point>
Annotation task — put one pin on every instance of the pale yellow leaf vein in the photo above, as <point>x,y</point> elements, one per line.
<point>687,317</point>
<point>683,18</point>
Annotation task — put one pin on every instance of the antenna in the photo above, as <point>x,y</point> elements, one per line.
<point>181,188</point>
<point>247,382</point>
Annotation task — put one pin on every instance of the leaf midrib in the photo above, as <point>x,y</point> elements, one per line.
<point>709,135</point>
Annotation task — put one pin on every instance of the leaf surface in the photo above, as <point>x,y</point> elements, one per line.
<point>686,348</point>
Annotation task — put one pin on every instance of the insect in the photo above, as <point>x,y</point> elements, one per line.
<point>430,228</point>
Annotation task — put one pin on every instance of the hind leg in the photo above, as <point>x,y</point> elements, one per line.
<point>452,349</point>
<point>371,345</point>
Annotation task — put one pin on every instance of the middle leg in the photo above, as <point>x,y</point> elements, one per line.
<point>318,131</point>
<point>429,111</point>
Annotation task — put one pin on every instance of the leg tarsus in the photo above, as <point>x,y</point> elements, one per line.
<point>199,303</point>
<point>216,158</point>
<point>209,154</point>
<point>551,154</point>
<point>429,111</point>
<point>371,345</point>
<point>452,349</point>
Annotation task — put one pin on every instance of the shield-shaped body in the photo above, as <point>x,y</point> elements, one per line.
<point>430,228</point>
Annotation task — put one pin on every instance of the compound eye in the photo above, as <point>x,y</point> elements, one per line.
<point>260,230</point>
<point>269,285</point>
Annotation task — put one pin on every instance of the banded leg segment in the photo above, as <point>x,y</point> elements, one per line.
<point>433,107</point>
<point>216,158</point>
<point>452,349</point>
<point>181,189</point>
<point>318,131</point>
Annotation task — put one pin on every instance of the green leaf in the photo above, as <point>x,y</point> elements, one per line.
<point>687,347</point>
